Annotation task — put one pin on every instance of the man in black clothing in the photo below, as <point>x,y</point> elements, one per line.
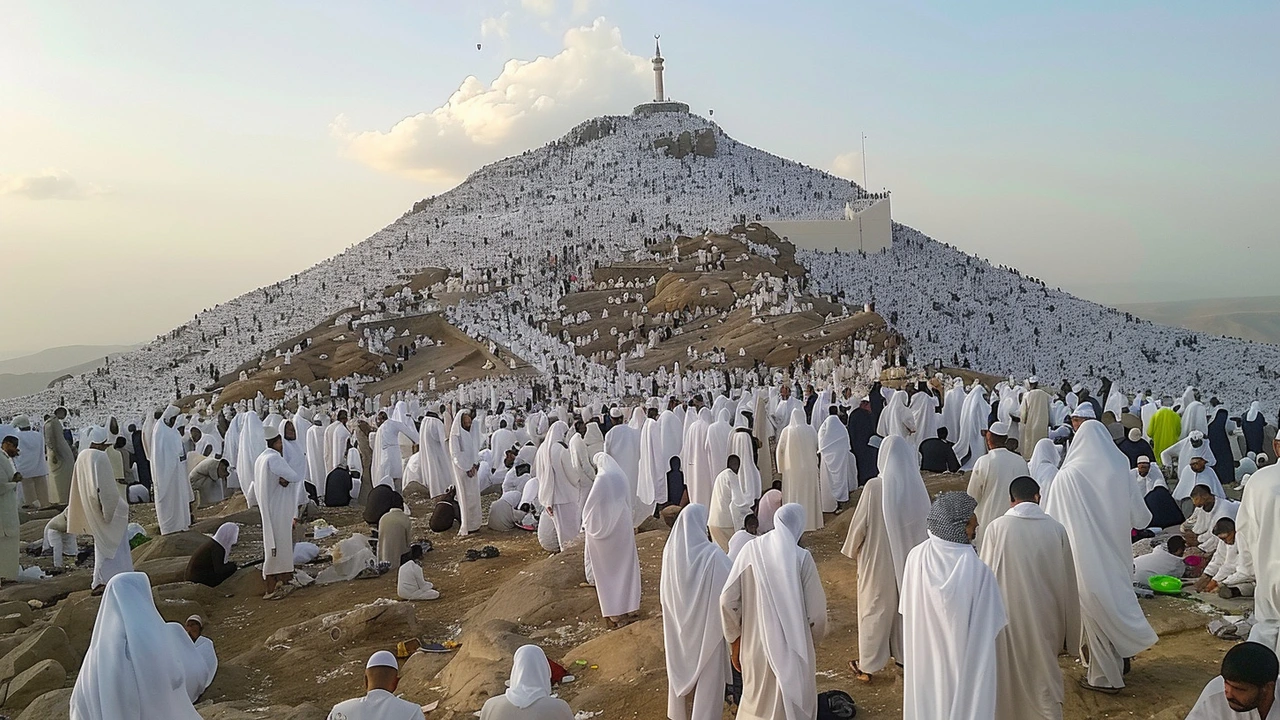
<point>862,427</point>
<point>937,455</point>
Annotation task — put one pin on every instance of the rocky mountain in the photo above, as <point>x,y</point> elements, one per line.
<point>611,185</point>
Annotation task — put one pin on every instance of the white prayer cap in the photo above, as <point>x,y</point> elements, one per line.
<point>270,433</point>
<point>1196,435</point>
<point>382,658</point>
<point>198,620</point>
<point>99,436</point>
<point>875,441</point>
<point>1033,379</point>
<point>1198,453</point>
<point>1144,460</point>
<point>22,422</point>
<point>999,428</point>
<point>615,412</point>
<point>1135,434</point>
<point>1084,411</point>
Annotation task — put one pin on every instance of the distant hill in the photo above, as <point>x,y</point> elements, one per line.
<point>32,373</point>
<point>60,359</point>
<point>1253,318</point>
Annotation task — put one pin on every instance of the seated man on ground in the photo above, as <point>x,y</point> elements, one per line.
<point>1162,560</point>
<point>204,648</point>
<point>937,455</point>
<point>381,677</point>
<point>1246,689</point>
<point>1223,573</point>
<point>411,584</point>
<point>445,513</point>
<point>211,563</point>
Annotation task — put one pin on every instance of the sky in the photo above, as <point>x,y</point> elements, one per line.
<point>157,158</point>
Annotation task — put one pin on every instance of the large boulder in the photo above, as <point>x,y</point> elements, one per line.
<point>381,620</point>
<point>33,682</point>
<point>481,667</point>
<point>249,711</point>
<point>48,643</point>
<point>76,616</point>
<point>182,544</point>
<point>49,590</point>
<point>245,581</point>
<point>54,705</point>
<point>14,615</point>
<point>164,570</point>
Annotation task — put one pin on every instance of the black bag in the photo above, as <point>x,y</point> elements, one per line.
<point>836,705</point>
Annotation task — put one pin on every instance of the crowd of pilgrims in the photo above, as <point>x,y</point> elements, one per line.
<point>975,594</point>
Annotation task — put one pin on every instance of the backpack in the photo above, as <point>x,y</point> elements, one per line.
<point>836,705</point>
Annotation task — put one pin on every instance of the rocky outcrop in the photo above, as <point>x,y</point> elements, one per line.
<point>703,144</point>
<point>43,677</point>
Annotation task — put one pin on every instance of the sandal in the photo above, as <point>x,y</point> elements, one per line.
<point>857,672</point>
<point>488,552</point>
<point>472,555</point>
<point>1084,683</point>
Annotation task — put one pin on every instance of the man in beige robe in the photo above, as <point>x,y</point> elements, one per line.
<point>61,460</point>
<point>1033,417</point>
<point>9,523</point>
<point>1030,555</point>
<point>989,483</point>
<point>395,534</point>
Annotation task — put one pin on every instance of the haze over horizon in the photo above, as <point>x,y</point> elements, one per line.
<point>151,169</point>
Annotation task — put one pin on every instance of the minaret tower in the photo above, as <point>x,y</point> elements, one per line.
<point>658,94</point>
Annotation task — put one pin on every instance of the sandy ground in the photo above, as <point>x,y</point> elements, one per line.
<point>623,676</point>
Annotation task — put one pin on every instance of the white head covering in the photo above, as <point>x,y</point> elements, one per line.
<point>530,677</point>
<point>382,658</point>
<point>1084,411</point>
<point>227,535</point>
<point>905,501</point>
<point>774,559</point>
<point>694,571</point>
<point>134,661</point>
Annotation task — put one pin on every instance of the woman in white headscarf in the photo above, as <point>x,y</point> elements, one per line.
<point>1044,466</point>
<point>887,523</point>
<point>1096,500</point>
<point>695,457</point>
<point>798,464</point>
<point>742,444</point>
<point>136,665</point>
<point>622,443</point>
<point>773,610</point>
<point>558,484</point>
<point>694,571</point>
<point>252,444</point>
<point>611,542</point>
<point>901,421</point>
<point>839,469</point>
<point>528,695</point>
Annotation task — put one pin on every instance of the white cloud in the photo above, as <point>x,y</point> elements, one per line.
<point>544,8</point>
<point>499,27</point>
<point>47,185</point>
<point>530,103</point>
<point>848,165</point>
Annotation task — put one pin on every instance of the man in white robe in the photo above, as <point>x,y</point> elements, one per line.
<point>887,523</point>
<point>838,471</point>
<point>381,677</point>
<point>971,443</point>
<point>336,436</point>
<point>169,478</point>
<point>989,483</point>
<point>435,461</point>
<point>696,459</point>
<point>390,430</point>
<point>316,454</point>
<point>465,459</point>
<point>730,504</point>
<point>274,496</point>
<point>783,410</point>
<point>773,611</point>
<point>952,613</point>
<point>32,463</point>
<point>558,484</point>
<point>694,572</point>
<point>798,464</point>
<point>610,551</point>
<point>1258,535</point>
<point>1099,505</point>
<point>295,453</point>
<point>1245,689</point>
<point>1033,416</point>
<point>1030,555</point>
<point>622,443</point>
